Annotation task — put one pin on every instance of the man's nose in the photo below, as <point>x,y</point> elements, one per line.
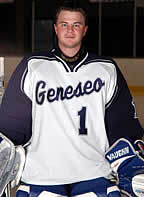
<point>70,28</point>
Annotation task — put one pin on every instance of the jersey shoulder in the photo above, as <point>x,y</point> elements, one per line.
<point>107,64</point>
<point>41,55</point>
<point>92,57</point>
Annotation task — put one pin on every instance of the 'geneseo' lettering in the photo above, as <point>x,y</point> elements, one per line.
<point>68,93</point>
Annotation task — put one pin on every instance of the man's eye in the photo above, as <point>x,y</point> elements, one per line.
<point>76,25</point>
<point>64,25</point>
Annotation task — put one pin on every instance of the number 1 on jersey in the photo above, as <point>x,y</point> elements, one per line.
<point>82,114</point>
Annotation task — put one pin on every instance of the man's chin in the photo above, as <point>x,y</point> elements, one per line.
<point>71,45</point>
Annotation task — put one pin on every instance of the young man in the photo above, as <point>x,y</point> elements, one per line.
<point>69,106</point>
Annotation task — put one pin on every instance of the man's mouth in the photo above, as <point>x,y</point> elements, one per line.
<point>70,37</point>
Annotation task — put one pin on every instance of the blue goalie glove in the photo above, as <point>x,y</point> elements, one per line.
<point>128,165</point>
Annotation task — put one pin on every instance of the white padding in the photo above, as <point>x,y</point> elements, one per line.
<point>112,189</point>
<point>138,185</point>
<point>24,188</point>
<point>49,194</point>
<point>20,154</point>
<point>8,162</point>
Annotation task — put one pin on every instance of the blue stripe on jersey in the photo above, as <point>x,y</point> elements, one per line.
<point>63,63</point>
<point>42,57</point>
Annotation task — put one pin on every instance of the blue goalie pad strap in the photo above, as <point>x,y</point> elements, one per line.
<point>99,187</point>
<point>1,139</point>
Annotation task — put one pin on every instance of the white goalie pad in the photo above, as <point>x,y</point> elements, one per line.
<point>138,185</point>
<point>12,161</point>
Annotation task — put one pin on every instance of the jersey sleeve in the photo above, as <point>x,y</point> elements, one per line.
<point>16,109</point>
<point>120,116</point>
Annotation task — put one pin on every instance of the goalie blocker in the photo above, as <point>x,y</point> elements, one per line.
<point>127,163</point>
<point>12,161</point>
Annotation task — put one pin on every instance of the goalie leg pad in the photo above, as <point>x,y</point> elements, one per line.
<point>138,185</point>
<point>99,187</point>
<point>26,190</point>
<point>23,191</point>
<point>18,165</point>
<point>127,163</point>
<point>10,161</point>
<point>111,192</point>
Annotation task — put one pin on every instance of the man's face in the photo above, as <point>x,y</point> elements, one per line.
<point>70,29</point>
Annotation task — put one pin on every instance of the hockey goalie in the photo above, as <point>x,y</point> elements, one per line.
<point>127,161</point>
<point>69,106</point>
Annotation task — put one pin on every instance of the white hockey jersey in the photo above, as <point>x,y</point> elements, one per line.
<point>69,117</point>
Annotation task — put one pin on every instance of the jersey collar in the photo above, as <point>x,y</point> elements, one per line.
<point>71,62</point>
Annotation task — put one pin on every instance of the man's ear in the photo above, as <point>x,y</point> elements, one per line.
<point>85,30</point>
<point>55,28</point>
